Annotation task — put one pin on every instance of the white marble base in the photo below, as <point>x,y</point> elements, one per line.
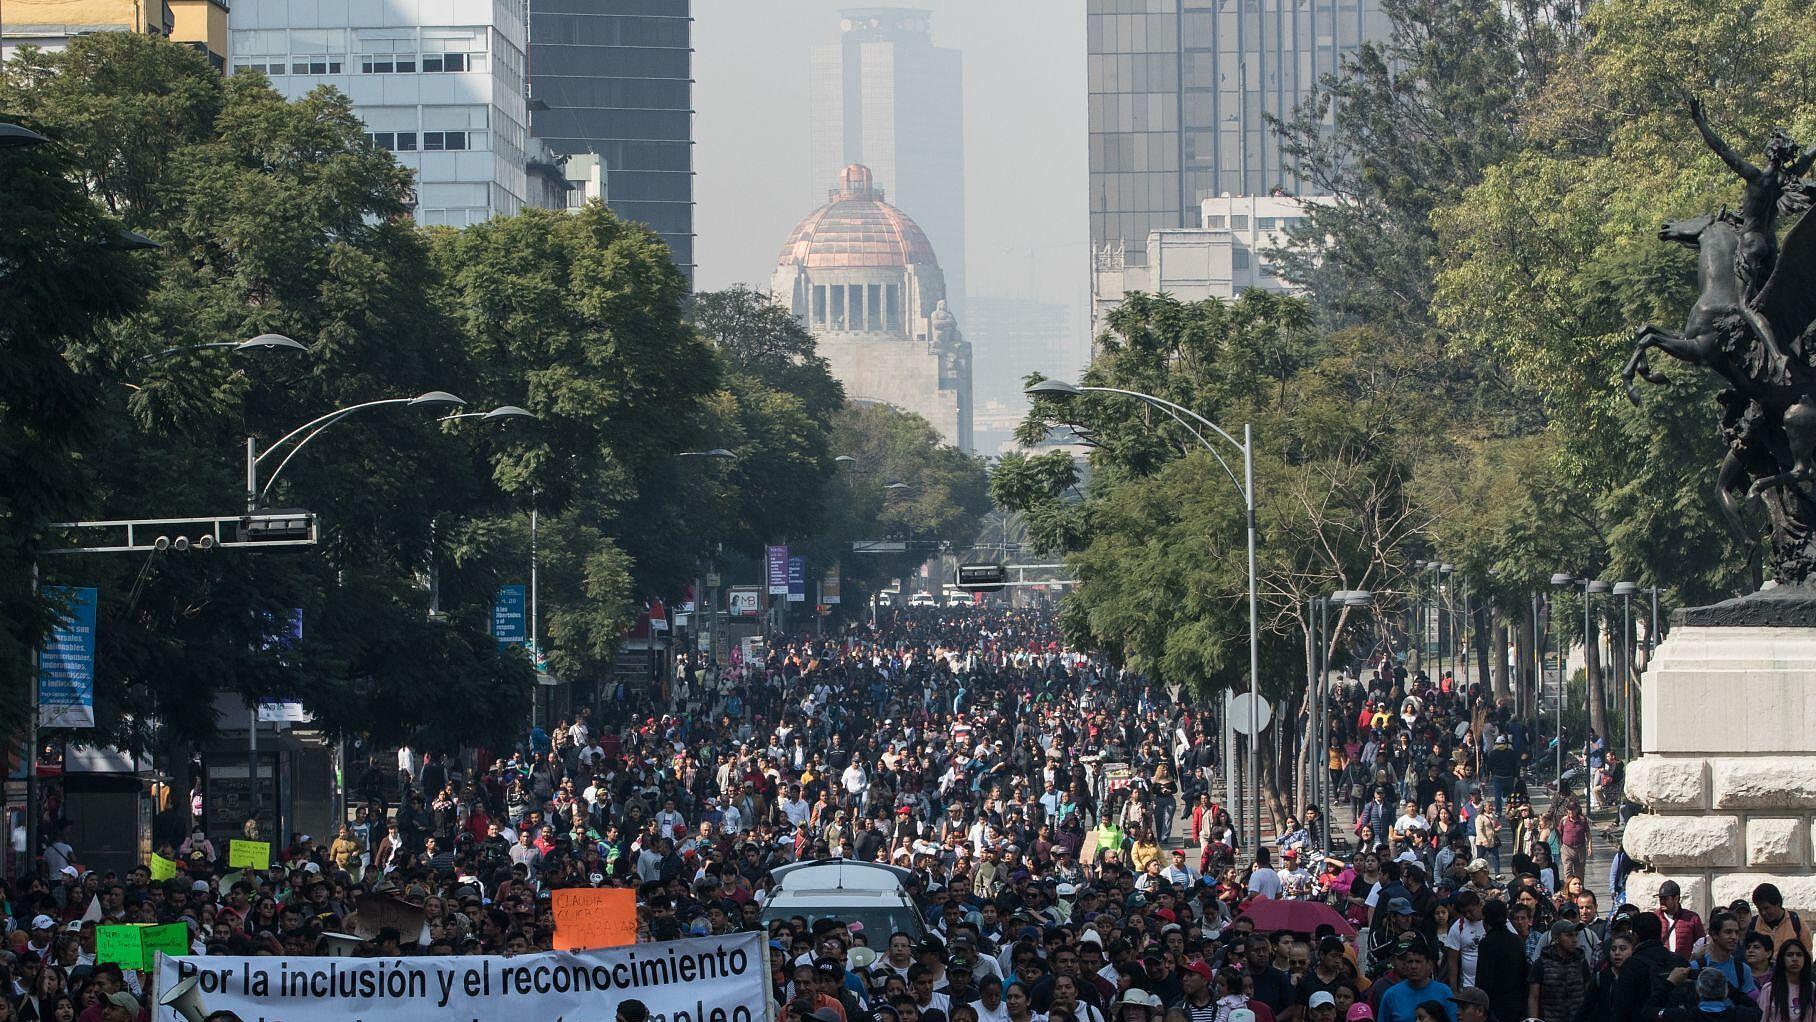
<point>1729,772</point>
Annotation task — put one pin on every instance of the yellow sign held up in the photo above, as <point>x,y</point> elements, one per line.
<point>162,868</point>
<point>254,855</point>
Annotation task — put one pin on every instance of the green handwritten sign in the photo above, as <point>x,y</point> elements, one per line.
<point>136,946</point>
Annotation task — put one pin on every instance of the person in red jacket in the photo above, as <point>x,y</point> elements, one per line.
<point>1682,927</point>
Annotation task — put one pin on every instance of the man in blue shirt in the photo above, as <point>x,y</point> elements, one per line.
<point>1718,954</point>
<point>1413,960</point>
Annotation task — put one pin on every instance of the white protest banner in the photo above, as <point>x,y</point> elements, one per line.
<point>710,979</point>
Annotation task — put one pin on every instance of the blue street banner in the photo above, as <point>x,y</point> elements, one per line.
<point>66,663</point>
<point>509,617</point>
<point>776,562</point>
<point>797,580</point>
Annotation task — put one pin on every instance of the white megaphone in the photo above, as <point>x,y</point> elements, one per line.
<point>186,999</point>
<point>340,945</point>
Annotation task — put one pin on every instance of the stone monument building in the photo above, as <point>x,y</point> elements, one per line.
<point>864,279</point>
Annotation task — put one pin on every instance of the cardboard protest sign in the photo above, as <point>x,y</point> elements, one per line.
<point>589,917</point>
<point>254,855</point>
<point>162,868</point>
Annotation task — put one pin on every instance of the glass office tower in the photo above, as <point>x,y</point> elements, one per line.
<point>614,77</point>
<point>1179,94</point>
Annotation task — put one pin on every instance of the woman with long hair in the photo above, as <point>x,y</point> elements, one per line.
<point>1791,995</point>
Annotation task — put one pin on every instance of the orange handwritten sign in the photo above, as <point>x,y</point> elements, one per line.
<point>590,917</point>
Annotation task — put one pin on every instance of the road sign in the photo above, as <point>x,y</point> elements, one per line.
<point>878,546</point>
<point>1239,714</point>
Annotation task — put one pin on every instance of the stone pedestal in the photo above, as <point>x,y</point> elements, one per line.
<point>1728,778</point>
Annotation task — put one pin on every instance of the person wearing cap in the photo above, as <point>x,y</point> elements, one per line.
<point>1680,928</point>
<point>1197,994</point>
<point>119,1006</point>
<point>1399,921</point>
<point>1415,963</point>
<point>1321,1007</point>
<point>1473,1005</point>
<point>1561,978</point>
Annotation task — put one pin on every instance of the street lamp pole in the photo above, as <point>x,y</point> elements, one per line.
<point>309,431</point>
<point>1246,485</point>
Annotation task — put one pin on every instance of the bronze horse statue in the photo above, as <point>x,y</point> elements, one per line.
<point>1718,334</point>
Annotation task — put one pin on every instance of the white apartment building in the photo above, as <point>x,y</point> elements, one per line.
<point>1225,255</point>
<point>439,83</point>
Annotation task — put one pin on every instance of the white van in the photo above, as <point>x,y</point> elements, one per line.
<point>868,893</point>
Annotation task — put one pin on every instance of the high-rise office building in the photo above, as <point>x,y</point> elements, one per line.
<point>614,78</point>
<point>438,83</point>
<point>1179,91</point>
<point>886,97</point>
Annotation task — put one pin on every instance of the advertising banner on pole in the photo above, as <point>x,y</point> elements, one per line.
<point>509,617</point>
<point>797,580</point>
<point>711,979</point>
<point>829,586</point>
<point>66,664</point>
<point>744,601</point>
<point>776,573</point>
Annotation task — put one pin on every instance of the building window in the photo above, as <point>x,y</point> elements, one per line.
<point>453,50</point>
<point>892,297</point>
<point>444,141</point>
<point>819,303</point>
<point>387,63</point>
<point>1239,222</point>
<point>1217,222</point>
<point>1264,223</point>
<point>393,141</point>
<point>1239,259</point>
<point>873,307</point>
<point>433,62</point>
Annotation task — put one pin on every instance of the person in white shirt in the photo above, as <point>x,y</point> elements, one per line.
<point>989,1004</point>
<point>1465,937</point>
<point>1264,881</point>
<point>795,808</point>
<point>1178,873</point>
<point>1411,821</point>
<point>855,780</point>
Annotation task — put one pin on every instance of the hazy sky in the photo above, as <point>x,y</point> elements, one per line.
<point>1027,227</point>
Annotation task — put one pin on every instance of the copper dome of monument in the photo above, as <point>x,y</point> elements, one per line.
<point>856,229</point>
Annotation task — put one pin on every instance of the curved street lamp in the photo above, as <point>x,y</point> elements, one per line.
<point>261,342</point>
<point>1061,390</point>
<point>14,136</point>
<point>501,412</point>
<point>310,430</point>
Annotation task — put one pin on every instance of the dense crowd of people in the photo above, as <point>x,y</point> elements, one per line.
<point>1054,822</point>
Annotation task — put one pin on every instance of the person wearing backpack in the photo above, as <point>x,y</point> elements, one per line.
<point>1649,966</point>
<point>1720,953</point>
<point>1772,919</point>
